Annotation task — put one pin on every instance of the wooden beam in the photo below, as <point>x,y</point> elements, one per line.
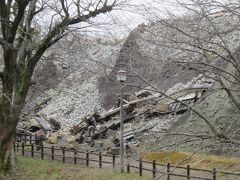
<point>174,95</point>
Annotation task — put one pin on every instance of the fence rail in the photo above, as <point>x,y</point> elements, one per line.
<point>27,147</point>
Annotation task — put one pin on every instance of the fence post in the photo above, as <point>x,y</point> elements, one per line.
<point>52,152</point>
<point>100,160</point>
<point>42,152</point>
<point>168,171</point>
<point>22,148</point>
<point>32,150</point>
<point>63,155</point>
<point>188,172</point>
<point>30,139</point>
<point>87,158</point>
<point>17,146</point>
<point>14,146</point>
<point>154,169</point>
<point>128,167</point>
<point>75,157</point>
<point>25,138</point>
<point>214,174</point>
<point>35,138</point>
<point>113,160</point>
<point>140,167</point>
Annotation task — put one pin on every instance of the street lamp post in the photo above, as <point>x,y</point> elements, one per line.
<point>121,77</point>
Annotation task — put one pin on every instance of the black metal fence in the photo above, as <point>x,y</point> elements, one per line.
<point>25,146</point>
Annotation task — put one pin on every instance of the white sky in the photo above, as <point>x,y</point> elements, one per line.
<point>121,20</point>
<point>135,13</point>
<point>144,11</point>
<point>124,19</point>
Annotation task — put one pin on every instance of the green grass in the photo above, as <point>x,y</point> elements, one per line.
<point>29,169</point>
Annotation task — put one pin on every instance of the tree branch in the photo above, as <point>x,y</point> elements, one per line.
<point>230,94</point>
<point>104,9</point>
<point>21,9</point>
<point>189,35</point>
<point>4,43</point>
<point>56,33</point>
<point>9,4</point>
<point>41,8</point>
<point>217,33</point>
<point>5,20</point>
<point>64,8</point>
<point>3,16</point>
<point>210,125</point>
<point>1,75</point>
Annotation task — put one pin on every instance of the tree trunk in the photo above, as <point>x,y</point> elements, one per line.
<point>7,134</point>
<point>11,104</point>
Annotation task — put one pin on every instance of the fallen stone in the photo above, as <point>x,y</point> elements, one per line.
<point>33,122</point>
<point>130,148</point>
<point>62,144</point>
<point>54,124</point>
<point>43,123</point>
<point>98,144</point>
<point>115,151</point>
<point>73,145</point>
<point>33,125</point>
<point>69,139</point>
<point>43,101</point>
<point>71,109</point>
<point>80,138</point>
<point>53,139</point>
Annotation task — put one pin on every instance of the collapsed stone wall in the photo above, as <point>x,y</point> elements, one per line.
<point>133,56</point>
<point>77,63</point>
<point>81,91</point>
<point>220,111</point>
<point>152,55</point>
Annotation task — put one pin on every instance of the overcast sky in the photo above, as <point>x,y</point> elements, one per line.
<point>122,19</point>
<point>136,12</point>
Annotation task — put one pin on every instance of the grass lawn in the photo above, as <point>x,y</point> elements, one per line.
<point>36,169</point>
<point>203,161</point>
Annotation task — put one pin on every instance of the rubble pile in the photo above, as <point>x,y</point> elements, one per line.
<point>144,118</point>
<point>197,82</point>
<point>147,117</point>
<point>78,65</point>
<point>70,105</point>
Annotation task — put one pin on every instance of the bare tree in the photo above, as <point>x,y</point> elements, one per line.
<point>206,39</point>
<point>29,28</point>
